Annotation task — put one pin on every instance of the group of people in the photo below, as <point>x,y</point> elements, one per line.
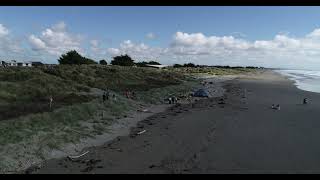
<point>305,101</point>
<point>277,107</point>
<point>129,94</point>
<point>173,100</point>
<point>106,96</point>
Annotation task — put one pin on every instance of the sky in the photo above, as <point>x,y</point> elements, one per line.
<point>279,37</point>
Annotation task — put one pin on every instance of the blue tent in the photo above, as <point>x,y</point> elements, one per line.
<point>201,93</point>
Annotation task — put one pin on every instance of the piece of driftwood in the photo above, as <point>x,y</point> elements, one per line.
<point>76,157</point>
<point>141,132</point>
<point>145,111</point>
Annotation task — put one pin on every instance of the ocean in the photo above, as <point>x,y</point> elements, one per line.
<point>304,79</point>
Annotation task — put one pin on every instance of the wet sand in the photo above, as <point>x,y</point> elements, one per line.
<point>235,133</point>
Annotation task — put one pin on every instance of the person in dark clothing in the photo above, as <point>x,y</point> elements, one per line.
<point>127,93</point>
<point>170,100</point>
<point>305,101</point>
<point>104,97</point>
<point>107,94</point>
<point>174,100</point>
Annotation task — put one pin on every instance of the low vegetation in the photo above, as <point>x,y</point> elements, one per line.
<point>212,70</point>
<point>30,128</point>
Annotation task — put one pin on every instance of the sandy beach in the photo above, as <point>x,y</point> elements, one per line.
<point>237,132</point>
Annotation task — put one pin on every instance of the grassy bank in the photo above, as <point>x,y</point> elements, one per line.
<point>212,70</point>
<point>29,139</point>
<point>29,129</point>
<point>25,91</point>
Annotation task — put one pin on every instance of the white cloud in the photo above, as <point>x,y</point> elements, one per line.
<point>238,35</point>
<point>59,27</point>
<point>281,51</point>
<point>137,51</point>
<point>8,45</point>
<point>55,40</point>
<point>3,31</point>
<point>37,43</point>
<point>95,46</point>
<point>114,51</point>
<point>151,35</point>
<point>278,52</point>
<point>94,43</point>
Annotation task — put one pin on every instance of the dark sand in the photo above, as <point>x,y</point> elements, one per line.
<point>244,135</point>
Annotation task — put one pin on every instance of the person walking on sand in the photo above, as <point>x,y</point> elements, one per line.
<point>176,100</point>
<point>107,94</point>
<point>172,99</point>
<point>50,101</point>
<point>305,101</point>
<point>133,95</point>
<point>278,107</point>
<point>127,93</point>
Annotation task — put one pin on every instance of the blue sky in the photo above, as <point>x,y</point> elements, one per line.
<point>204,34</point>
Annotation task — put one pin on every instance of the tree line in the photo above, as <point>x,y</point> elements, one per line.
<point>73,57</point>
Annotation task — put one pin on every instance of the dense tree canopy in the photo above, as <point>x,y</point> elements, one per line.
<point>103,62</point>
<point>177,65</point>
<point>73,57</point>
<point>144,63</point>
<point>123,60</point>
<point>189,65</point>
<point>154,63</point>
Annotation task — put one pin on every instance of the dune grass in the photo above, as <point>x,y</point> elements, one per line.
<point>212,70</point>
<point>116,78</point>
<point>31,137</point>
<point>29,129</point>
<point>26,91</point>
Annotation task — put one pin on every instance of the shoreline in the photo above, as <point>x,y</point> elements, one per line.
<point>302,85</point>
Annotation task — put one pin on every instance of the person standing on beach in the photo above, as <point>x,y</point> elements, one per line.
<point>50,101</point>
<point>127,93</point>
<point>305,101</point>
<point>107,94</point>
<point>104,97</point>
<point>133,95</point>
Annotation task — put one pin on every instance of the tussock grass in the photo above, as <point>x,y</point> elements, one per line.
<point>29,130</point>
<point>33,136</point>
<point>212,70</point>
<point>158,95</point>
<point>116,78</point>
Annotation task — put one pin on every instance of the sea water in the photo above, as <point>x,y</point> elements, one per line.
<point>308,80</point>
